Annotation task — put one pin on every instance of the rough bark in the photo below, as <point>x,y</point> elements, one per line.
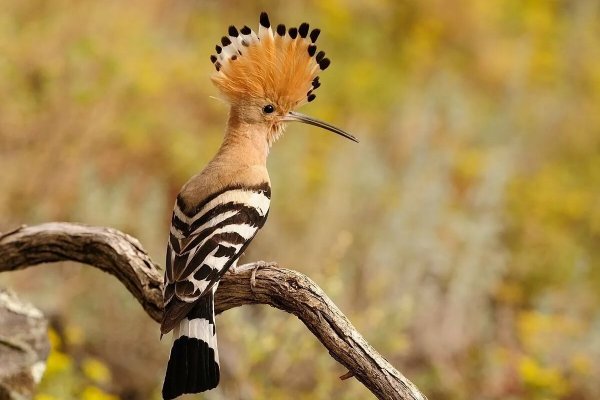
<point>24,347</point>
<point>258,283</point>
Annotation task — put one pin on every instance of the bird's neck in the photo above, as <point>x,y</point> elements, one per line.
<point>244,143</point>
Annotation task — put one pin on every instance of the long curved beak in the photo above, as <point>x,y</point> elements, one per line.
<point>295,116</point>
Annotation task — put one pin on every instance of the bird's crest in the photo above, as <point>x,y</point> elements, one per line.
<point>280,66</point>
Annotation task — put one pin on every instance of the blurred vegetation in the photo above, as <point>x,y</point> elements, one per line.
<point>461,236</point>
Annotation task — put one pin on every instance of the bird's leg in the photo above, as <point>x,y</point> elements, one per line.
<point>234,268</point>
<point>257,266</point>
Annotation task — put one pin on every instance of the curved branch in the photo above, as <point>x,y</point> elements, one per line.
<point>258,283</point>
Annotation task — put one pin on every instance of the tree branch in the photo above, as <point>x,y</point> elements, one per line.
<point>258,283</point>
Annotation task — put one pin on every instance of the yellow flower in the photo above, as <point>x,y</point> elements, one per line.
<point>96,370</point>
<point>54,339</point>
<point>58,362</point>
<point>538,376</point>
<point>94,393</point>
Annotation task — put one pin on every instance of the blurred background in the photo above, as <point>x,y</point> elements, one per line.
<point>461,236</point>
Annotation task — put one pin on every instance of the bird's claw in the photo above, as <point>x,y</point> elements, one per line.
<point>258,265</point>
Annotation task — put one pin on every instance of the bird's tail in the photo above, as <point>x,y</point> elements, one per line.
<point>194,362</point>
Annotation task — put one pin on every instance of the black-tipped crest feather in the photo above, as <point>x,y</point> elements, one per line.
<point>242,72</point>
<point>264,20</point>
<point>233,31</point>
<point>314,35</point>
<point>324,63</point>
<point>281,30</point>
<point>303,29</point>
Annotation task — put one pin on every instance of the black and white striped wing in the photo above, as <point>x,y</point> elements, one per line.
<point>204,244</point>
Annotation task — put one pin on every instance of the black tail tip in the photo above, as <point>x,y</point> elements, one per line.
<point>264,20</point>
<point>192,368</point>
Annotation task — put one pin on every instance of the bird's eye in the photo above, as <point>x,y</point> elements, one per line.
<point>268,109</point>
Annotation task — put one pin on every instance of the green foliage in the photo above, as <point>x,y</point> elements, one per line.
<point>460,236</point>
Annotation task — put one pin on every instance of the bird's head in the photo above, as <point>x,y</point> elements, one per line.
<point>266,76</point>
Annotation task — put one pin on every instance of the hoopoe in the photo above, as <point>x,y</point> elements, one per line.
<point>265,77</point>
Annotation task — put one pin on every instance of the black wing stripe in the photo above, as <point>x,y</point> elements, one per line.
<point>229,200</point>
<point>232,238</point>
<point>185,289</point>
<point>179,264</point>
<point>225,251</point>
<point>174,243</point>
<point>206,240</point>
<point>191,264</point>
<point>169,292</point>
<point>229,237</point>
<point>168,269</point>
<point>216,277</point>
<point>263,188</point>
<point>213,213</point>
<point>179,224</point>
<point>249,217</point>
<point>218,210</point>
<point>203,272</point>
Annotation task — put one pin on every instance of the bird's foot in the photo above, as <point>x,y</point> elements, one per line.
<point>257,266</point>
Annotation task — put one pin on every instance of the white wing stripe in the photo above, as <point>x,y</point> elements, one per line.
<point>213,225</point>
<point>177,233</point>
<point>216,263</point>
<point>215,221</point>
<point>242,196</point>
<point>244,230</point>
<point>261,202</point>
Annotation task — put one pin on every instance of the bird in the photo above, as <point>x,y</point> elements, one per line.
<point>264,76</point>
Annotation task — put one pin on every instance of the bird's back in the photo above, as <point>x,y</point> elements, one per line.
<point>212,206</point>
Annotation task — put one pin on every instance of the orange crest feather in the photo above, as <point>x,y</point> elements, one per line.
<point>280,68</point>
